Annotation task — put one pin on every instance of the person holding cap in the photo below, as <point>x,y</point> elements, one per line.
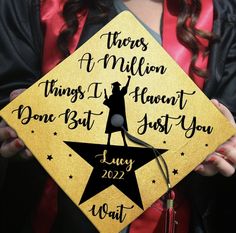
<point>38,34</point>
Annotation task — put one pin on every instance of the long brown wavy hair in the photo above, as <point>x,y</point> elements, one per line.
<point>187,32</point>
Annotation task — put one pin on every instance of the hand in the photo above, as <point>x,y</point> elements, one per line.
<point>223,160</point>
<point>10,144</point>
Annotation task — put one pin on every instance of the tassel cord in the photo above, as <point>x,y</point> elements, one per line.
<point>165,171</point>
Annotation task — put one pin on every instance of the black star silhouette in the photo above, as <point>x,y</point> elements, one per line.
<point>70,176</point>
<point>182,154</point>
<point>104,175</point>
<point>153,181</point>
<point>175,171</point>
<point>55,133</point>
<point>49,157</point>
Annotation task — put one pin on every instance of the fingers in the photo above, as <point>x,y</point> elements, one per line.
<point>11,148</point>
<point>10,144</point>
<point>228,152</point>
<point>222,165</point>
<point>222,161</point>
<point>224,110</point>
<point>26,154</point>
<point>206,169</point>
<point>232,141</point>
<point>15,93</point>
<point>2,124</point>
<point>7,133</point>
<point>215,164</point>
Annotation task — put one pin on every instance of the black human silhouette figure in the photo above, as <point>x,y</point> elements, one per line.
<point>116,104</point>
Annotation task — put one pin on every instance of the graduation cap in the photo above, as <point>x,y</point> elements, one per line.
<point>116,84</point>
<point>113,185</point>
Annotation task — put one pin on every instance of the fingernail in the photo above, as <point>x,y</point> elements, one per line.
<point>211,159</point>
<point>13,95</point>
<point>28,153</point>
<point>15,92</point>
<point>19,144</point>
<point>12,133</point>
<point>221,150</point>
<point>199,167</point>
<point>216,102</point>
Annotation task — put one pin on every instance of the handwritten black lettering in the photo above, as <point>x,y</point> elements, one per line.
<point>73,120</point>
<point>140,95</point>
<point>103,211</point>
<point>93,87</point>
<point>165,123</point>
<point>50,88</point>
<point>88,60</point>
<point>25,114</point>
<point>161,124</point>
<point>113,40</point>
<point>191,127</point>
<point>134,66</point>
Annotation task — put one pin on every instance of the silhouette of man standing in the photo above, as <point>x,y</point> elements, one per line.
<point>116,104</point>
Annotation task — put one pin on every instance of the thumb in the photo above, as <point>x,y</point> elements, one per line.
<point>224,110</point>
<point>15,93</point>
